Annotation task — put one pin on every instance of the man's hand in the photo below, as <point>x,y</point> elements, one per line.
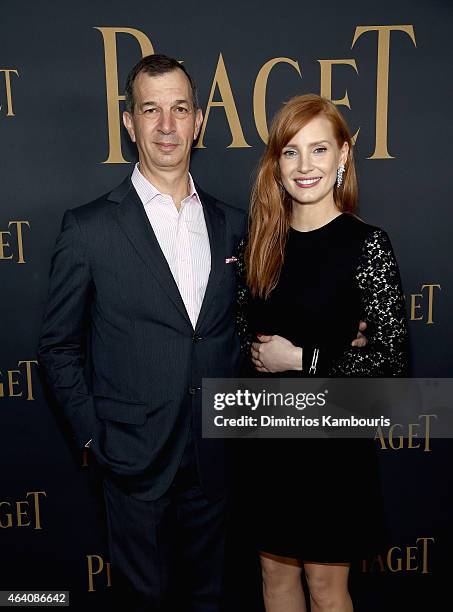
<point>275,354</point>
<point>361,340</point>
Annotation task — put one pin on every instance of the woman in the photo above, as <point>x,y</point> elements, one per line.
<point>313,270</point>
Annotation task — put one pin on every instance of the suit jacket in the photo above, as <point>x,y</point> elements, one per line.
<point>111,287</point>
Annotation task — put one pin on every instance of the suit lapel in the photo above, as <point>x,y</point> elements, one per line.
<point>215,223</point>
<point>134,222</point>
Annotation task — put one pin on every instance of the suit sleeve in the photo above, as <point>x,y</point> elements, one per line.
<point>383,308</point>
<point>62,343</point>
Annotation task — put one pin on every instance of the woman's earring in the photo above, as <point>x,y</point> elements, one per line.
<point>340,173</point>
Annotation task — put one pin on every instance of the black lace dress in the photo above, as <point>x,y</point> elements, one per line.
<point>320,500</point>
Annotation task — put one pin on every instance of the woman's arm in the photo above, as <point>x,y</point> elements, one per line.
<point>242,303</point>
<point>384,311</point>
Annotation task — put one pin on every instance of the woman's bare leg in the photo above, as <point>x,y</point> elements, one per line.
<point>328,586</point>
<point>282,585</point>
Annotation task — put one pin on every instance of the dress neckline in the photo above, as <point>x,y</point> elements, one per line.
<point>324,227</point>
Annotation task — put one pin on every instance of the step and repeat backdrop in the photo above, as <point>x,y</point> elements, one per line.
<point>387,65</point>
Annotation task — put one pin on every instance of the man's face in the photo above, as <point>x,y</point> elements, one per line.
<point>164,123</point>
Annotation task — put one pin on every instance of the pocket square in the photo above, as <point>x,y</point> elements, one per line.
<point>230,260</point>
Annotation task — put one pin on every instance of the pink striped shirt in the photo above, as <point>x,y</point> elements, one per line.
<point>183,238</point>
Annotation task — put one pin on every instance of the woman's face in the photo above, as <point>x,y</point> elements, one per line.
<point>309,163</point>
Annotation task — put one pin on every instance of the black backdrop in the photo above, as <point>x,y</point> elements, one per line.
<point>392,79</point>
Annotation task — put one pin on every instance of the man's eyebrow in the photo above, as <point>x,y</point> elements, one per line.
<point>152,103</point>
<point>148,103</point>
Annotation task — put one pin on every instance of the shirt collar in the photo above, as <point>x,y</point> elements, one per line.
<point>147,191</point>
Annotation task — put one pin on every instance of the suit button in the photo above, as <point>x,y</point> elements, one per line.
<point>192,390</point>
<point>196,338</point>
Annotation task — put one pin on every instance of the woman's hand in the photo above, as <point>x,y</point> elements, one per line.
<point>275,354</point>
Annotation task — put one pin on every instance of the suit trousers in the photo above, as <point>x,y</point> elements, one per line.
<point>167,554</point>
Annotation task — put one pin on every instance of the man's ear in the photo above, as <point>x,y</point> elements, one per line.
<point>198,123</point>
<point>129,125</point>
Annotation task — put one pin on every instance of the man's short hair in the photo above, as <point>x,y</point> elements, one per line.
<point>155,65</point>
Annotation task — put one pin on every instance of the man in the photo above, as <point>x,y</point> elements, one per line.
<point>146,273</point>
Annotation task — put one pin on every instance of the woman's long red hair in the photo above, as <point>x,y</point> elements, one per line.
<point>270,212</point>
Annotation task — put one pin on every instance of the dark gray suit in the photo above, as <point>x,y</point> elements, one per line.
<point>141,404</point>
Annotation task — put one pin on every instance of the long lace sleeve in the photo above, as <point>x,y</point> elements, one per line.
<point>242,303</point>
<point>383,310</point>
